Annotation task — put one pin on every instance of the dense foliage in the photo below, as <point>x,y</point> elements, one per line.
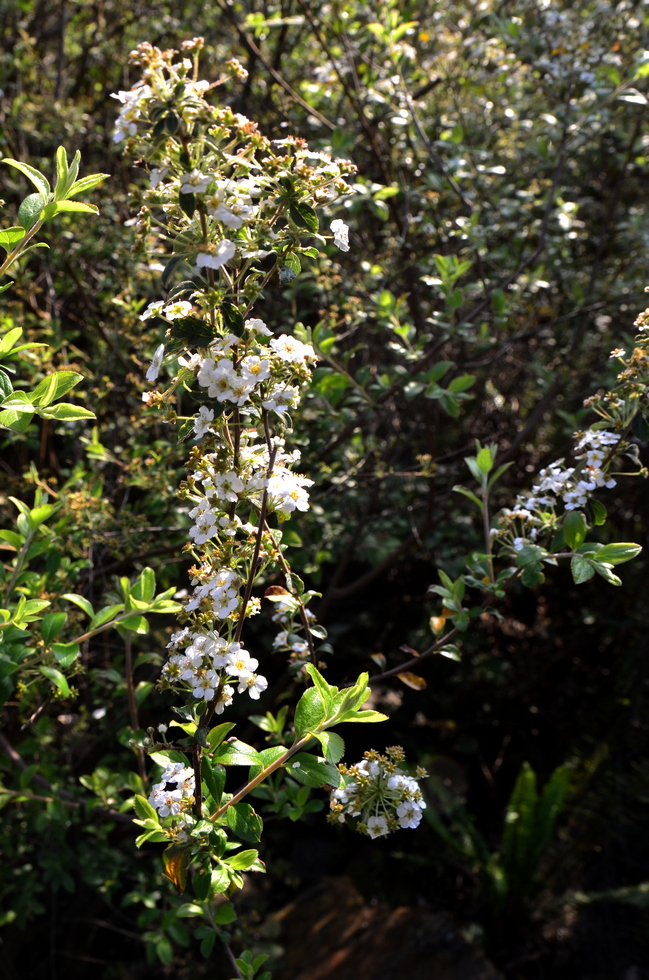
<point>495,164</point>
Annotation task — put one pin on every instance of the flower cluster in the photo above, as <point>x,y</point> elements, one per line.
<point>569,485</point>
<point>209,666</point>
<point>378,795</point>
<point>173,802</point>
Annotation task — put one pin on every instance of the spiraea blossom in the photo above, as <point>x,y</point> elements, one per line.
<point>377,795</point>
<point>209,667</point>
<point>558,488</point>
<point>341,234</point>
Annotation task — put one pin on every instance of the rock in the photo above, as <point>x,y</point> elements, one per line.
<point>333,932</point>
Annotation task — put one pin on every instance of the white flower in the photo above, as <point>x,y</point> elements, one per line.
<point>292,350</point>
<point>175,310</point>
<point>228,486</point>
<point>255,684</point>
<point>257,326</point>
<point>286,491</point>
<point>280,399</point>
<point>157,174</point>
<point>409,815</point>
<point>153,309</point>
<point>341,234</point>
<point>156,364</point>
<point>202,421</point>
<point>192,362</point>
<point>205,686</point>
<point>254,369</point>
<point>194,183</point>
<point>225,700</point>
<point>239,662</point>
<point>377,827</point>
<point>214,260</point>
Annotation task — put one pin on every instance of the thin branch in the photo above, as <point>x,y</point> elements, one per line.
<point>252,48</point>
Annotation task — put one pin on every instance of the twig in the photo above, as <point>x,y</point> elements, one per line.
<point>132,703</point>
<point>253,49</point>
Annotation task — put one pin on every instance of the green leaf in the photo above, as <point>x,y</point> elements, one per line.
<point>581,569</point>
<point>18,401</point>
<point>56,207</point>
<point>52,625</point>
<point>244,822</point>
<point>104,616</point>
<point>325,690</point>
<point>310,711</point>
<point>574,529</point>
<point>57,679</point>
<point>188,204</point>
<point>214,776</point>
<point>16,540</point>
<point>468,493</point>
<point>243,860</point>
<point>29,211</point>
<point>144,809</point>
<point>11,236</point>
<point>86,184</point>
<point>485,460</point>
<point>6,386</point>
<point>18,421</point>
<point>606,573</point>
<point>66,412</point>
<point>79,601</point>
<point>333,746</point>
<point>193,331</point>
<point>38,179</point>
<point>311,771</point>
<point>236,753</point>
<point>61,172</point>
<point>65,653</point>
<point>598,511</point>
<point>616,554</point>
<point>304,216</point>
<point>9,339</point>
<point>366,717</point>
<point>53,386</point>
<point>232,318</point>
<point>216,735</point>
<point>190,910</point>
